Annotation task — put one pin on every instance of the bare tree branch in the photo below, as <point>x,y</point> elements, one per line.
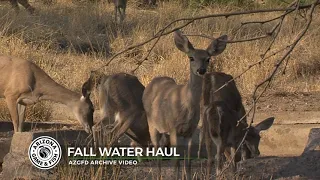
<point>146,57</point>
<point>269,79</point>
<point>163,32</point>
<point>266,21</point>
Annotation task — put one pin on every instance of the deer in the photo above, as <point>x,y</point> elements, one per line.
<point>24,3</point>
<point>120,7</point>
<point>221,110</point>
<point>23,83</point>
<point>150,2</point>
<point>174,109</point>
<point>120,97</point>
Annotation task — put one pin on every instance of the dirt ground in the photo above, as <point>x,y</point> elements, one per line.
<point>282,102</point>
<point>283,154</point>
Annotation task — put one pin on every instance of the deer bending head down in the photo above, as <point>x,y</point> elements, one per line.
<point>220,112</point>
<point>175,109</point>
<point>23,83</point>
<point>120,97</point>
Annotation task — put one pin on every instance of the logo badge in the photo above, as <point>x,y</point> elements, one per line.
<point>45,152</point>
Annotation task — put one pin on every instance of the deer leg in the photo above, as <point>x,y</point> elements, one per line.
<point>155,138</point>
<point>22,102</point>
<point>233,149</point>
<point>21,113</point>
<point>127,120</point>
<point>227,154</point>
<point>123,13</point>
<point>101,129</point>
<point>200,142</point>
<point>212,136</point>
<point>174,143</point>
<point>97,134</point>
<point>15,6</point>
<point>152,2</point>
<point>244,152</point>
<point>12,106</point>
<point>233,158</point>
<point>209,148</point>
<point>188,164</point>
<point>114,129</point>
<point>26,5</point>
<point>219,158</point>
<point>134,144</point>
<point>116,13</point>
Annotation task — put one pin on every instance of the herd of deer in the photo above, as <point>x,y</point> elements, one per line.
<point>146,114</point>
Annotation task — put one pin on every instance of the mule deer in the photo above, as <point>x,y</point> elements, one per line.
<point>121,103</point>
<point>24,3</point>
<point>175,109</point>
<point>120,7</point>
<point>23,83</point>
<point>221,111</point>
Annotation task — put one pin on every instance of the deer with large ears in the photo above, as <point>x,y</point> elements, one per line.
<point>221,109</point>
<point>175,109</point>
<point>23,83</point>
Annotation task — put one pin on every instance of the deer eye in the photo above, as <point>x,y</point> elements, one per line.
<point>191,58</point>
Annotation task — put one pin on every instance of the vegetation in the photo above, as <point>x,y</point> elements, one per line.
<point>69,39</point>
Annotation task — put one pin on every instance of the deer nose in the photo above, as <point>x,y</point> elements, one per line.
<point>201,71</point>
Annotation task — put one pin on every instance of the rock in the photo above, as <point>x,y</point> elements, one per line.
<point>313,143</point>
<point>5,141</point>
<point>16,163</point>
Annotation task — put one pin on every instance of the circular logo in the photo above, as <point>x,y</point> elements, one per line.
<point>45,152</point>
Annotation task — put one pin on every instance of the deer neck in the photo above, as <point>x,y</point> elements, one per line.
<point>195,87</point>
<point>57,93</point>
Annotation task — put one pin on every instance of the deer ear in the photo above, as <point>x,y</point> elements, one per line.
<point>218,45</point>
<point>265,124</point>
<point>87,88</point>
<point>182,42</point>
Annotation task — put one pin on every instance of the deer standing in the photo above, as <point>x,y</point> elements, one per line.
<point>120,7</point>
<point>24,3</point>
<point>220,112</point>
<point>121,103</point>
<point>23,83</point>
<point>175,109</point>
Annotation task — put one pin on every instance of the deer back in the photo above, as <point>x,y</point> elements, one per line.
<point>229,94</point>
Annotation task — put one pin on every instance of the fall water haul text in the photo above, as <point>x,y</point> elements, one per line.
<point>122,151</point>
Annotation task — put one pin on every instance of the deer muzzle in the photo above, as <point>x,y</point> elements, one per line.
<point>201,71</point>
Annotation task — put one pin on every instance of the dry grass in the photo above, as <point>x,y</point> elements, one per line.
<point>68,40</point>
